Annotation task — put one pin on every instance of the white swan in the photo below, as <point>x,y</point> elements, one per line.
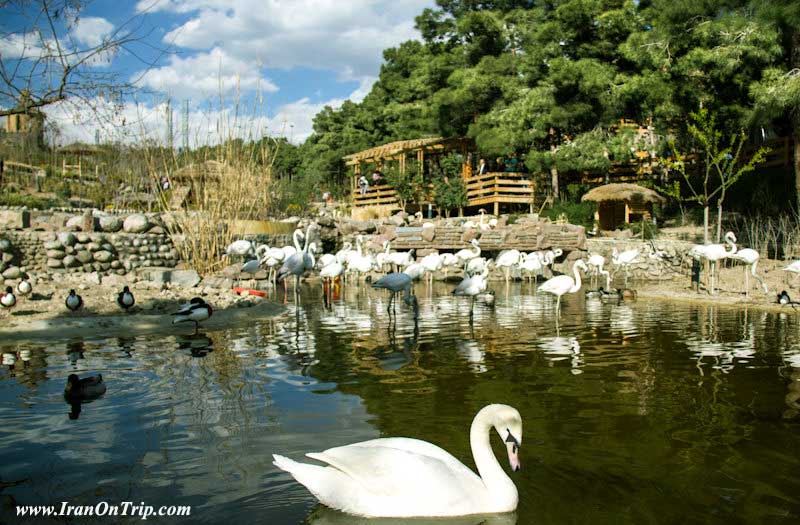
<point>404,477</point>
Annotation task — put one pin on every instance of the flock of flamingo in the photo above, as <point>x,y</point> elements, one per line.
<point>404,267</point>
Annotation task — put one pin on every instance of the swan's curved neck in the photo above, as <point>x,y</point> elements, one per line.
<point>497,482</point>
<point>477,248</point>
<point>308,235</point>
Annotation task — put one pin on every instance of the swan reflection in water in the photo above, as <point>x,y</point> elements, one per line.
<point>322,515</point>
<point>198,345</point>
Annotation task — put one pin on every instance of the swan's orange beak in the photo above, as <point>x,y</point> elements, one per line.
<point>513,455</point>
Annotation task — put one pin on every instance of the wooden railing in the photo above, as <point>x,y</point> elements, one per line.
<point>499,187</point>
<point>24,174</point>
<point>380,195</point>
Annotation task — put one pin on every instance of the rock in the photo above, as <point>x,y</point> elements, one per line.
<point>5,245</point>
<point>8,257</point>
<point>54,263</point>
<point>84,256</point>
<point>184,278</point>
<point>398,219</point>
<point>94,278</point>
<point>12,272</point>
<point>67,238</point>
<point>158,230</point>
<point>428,234</point>
<point>103,256</point>
<point>93,247</point>
<point>364,226</point>
<point>110,223</point>
<point>390,232</point>
<point>74,223</point>
<point>53,245</point>
<point>69,250</point>
<point>136,223</point>
<point>115,265</point>
<point>82,238</point>
<point>15,219</point>
<point>470,234</point>
<point>70,261</point>
<point>56,254</point>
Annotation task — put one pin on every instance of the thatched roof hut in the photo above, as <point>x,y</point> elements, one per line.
<point>622,203</point>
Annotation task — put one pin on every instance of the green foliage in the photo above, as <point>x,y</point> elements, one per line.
<point>581,213</point>
<point>18,199</point>
<point>449,194</point>
<point>650,230</point>
<point>407,184</point>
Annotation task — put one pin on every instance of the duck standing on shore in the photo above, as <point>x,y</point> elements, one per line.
<point>125,299</point>
<point>7,299</point>
<point>74,302</point>
<point>195,311</point>
<point>24,287</point>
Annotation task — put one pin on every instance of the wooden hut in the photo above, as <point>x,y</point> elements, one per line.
<point>622,203</point>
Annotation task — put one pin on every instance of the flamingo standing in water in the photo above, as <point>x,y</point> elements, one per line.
<point>472,286</point>
<point>563,284</point>
<point>466,254</point>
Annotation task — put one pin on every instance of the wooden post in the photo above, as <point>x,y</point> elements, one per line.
<point>627,213</point>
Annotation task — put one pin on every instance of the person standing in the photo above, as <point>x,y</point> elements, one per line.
<point>482,167</point>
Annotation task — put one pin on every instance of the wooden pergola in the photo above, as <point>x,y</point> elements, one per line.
<point>490,189</point>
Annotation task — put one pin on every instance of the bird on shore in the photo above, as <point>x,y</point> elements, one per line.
<point>240,247</point>
<point>713,253</point>
<point>125,299</point>
<point>783,298</point>
<point>7,299</point>
<point>73,302</point>
<point>793,268</point>
<point>89,387</point>
<point>563,284</point>
<point>750,258</point>
<point>24,287</point>
<point>397,282</point>
<point>624,259</point>
<point>195,311</point>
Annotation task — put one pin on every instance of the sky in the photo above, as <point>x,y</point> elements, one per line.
<point>284,59</point>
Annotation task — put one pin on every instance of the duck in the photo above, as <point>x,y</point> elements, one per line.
<point>89,387</point>
<point>195,311</point>
<point>7,299</point>
<point>125,299</point>
<point>24,287</point>
<point>74,302</point>
<point>783,298</point>
<point>400,477</point>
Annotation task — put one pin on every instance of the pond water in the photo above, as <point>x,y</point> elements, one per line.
<point>643,412</point>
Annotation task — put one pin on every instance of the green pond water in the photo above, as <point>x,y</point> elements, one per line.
<point>643,412</point>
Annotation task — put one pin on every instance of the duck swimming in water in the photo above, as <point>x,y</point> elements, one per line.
<point>87,388</point>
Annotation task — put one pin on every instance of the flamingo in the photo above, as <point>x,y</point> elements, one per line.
<point>400,259</point>
<point>299,262</point>
<point>794,268</point>
<point>472,286</point>
<point>482,225</point>
<point>596,262</point>
<point>532,265</point>
<point>331,271</point>
<point>624,259</point>
<point>563,284</point>
<point>432,262</point>
<point>448,260</point>
<point>466,254</point>
<point>508,259</point>
<point>240,247</point>
<point>360,262</point>
<point>414,270</point>
<point>477,265</point>
<point>380,258</point>
<point>397,282</point>
<point>716,252</point>
<point>750,258</point>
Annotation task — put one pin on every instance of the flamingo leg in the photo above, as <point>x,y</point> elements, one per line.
<point>389,307</point>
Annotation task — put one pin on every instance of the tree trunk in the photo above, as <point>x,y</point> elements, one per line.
<point>554,181</point>
<point>705,224</point>
<point>794,59</point>
<point>719,222</point>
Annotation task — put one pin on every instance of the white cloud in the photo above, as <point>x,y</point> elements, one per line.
<point>207,75</point>
<point>21,45</point>
<point>345,37</point>
<point>91,30</point>
<point>135,123</point>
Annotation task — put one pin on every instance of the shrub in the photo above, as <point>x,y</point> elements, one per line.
<point>581,213</point>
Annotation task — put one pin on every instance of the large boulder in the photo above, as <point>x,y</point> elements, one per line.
<point>12,272</point>
<point>74,223</point>
<point>184,278</point>
<point>5,245</point>
<point>110,223</point>
<point>84,256</point>
<point>136,223</point>
<point>14,219</point>
<point>103,256</point>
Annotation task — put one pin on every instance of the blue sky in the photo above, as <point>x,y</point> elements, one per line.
<point>298,55</point>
